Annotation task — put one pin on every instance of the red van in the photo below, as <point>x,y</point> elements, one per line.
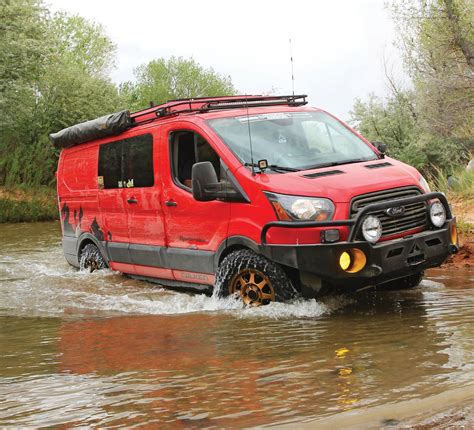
<point>259,196</point>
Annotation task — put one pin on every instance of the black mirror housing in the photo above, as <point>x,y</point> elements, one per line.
<point>381,147</point>
<point>206,186</point>
<point>204,179</point>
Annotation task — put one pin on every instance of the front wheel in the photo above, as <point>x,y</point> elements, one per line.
<point>408,282</point>
<point>255,279</point>
<point>91,258</point>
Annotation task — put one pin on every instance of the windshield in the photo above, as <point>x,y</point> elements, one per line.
<point>300,140</point>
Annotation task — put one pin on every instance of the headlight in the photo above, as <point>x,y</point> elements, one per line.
<point>424,185</point>
<point>437,214</point>
<point>295,208</point>
<point>372,229</point>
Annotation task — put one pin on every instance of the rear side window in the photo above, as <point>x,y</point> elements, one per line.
<point>110,164</point>
<point>127,163</point>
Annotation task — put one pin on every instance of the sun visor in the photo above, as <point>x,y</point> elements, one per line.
<point>108,125</point>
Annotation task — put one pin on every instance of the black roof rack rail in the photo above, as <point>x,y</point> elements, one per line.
<point>206,104</point>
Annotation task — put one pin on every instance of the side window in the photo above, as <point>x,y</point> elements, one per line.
<point>126,163</point>
<point>110,165</point>
<point>186,149</point>
<point>138,161</point>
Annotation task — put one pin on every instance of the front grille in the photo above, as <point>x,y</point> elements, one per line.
<point>415,215</point>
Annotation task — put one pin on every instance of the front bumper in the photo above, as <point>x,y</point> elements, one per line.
<point>385,261</point>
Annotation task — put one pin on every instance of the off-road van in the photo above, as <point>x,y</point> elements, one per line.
<point>259,196</point>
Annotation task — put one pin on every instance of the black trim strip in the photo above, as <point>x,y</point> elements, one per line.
<point>191,260</point>
<point>180,285</point>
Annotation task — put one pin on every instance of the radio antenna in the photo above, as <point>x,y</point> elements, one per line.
<point>252,165</point>
<point>292,74</point>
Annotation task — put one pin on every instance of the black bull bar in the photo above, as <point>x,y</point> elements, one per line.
<point>356,223</point>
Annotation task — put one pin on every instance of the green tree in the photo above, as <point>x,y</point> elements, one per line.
<point>22,60</point>
<point>83,44</point>
<point>437,40</point>
<point>161,80</point>
<point>24,56</point>
<point>54,74</point>
<point>75,86</point>
<point>433,123</point>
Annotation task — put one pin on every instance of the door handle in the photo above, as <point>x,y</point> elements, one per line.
<point>171,203</point>
<point>132,200</point>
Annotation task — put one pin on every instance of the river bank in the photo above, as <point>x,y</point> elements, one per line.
<point>463,208</point>
<point>27,204</point>
<point>450,409</point>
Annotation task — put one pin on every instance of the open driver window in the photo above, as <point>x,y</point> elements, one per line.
<point>188,148</point>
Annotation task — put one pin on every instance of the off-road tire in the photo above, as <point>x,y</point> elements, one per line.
<point>244,259</point>
<point>91,259</point>
<point>406,283</point>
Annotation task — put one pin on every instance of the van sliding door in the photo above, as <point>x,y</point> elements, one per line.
<point>142,195</point>
<point>111,201</point>
<point>130,200</point>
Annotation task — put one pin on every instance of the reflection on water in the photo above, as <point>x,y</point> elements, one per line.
<point>105,350</point>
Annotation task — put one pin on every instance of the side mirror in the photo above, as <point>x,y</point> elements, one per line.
<point>204,181</point>
<point>381,147</point>
<point>206,186</point>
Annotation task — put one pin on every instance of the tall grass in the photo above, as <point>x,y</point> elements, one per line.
<point>26,204</point>
<point>460,184</point>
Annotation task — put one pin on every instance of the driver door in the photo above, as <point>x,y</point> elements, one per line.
<point>194,229</point>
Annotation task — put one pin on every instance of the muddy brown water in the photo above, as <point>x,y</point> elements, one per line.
<point>104,350</point>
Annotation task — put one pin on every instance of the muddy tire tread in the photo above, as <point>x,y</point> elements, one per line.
<point>245,258</point>
<point>90,251</point>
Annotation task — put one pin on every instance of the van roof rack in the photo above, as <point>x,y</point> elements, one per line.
<point>206,104</point>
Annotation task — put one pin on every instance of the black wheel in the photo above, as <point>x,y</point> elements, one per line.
<point>257,280</point>
<point>411,281</point>
<point>91,259</point>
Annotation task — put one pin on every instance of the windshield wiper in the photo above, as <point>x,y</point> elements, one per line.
<point>275,167</point>
<point>285,169</point>
<point>338,163</point>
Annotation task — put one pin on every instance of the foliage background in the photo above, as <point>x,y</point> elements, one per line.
<point>430,124</point>
<point>55,72</point>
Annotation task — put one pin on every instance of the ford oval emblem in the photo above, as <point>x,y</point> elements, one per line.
<point>396,211</point>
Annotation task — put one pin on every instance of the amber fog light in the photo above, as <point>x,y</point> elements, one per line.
<point>454,234</point>
<point>345,261</point>
<point>352,260</point>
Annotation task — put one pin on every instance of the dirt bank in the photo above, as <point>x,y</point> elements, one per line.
<point>463,209</point>
<point>464,258</point>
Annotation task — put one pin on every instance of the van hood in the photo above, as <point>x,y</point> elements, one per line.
<point>341,183</point>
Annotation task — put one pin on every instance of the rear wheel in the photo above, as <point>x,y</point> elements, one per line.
<point>408,282</point>
<point>255,279</point>
<point>91,259</point>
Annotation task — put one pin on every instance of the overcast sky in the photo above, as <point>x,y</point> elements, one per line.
<point>338,45</point>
